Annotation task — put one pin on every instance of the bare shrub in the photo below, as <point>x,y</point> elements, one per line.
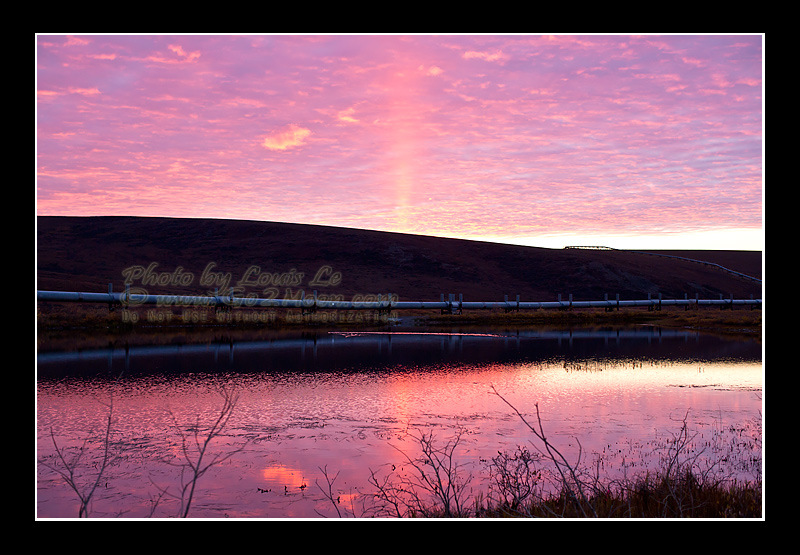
<point>435,485</point>
<point>575,488</point>
<point>686,484</point>
<point>196,457</point>
<point>516,479</point>
<point>82,476</point>
<point>347,509</point>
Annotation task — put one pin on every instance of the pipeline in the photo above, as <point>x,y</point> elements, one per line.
<point>387,303</point>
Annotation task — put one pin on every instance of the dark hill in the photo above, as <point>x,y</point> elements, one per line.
<point>88,253</point>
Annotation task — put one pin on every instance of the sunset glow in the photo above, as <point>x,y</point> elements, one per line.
<point>627,141</point>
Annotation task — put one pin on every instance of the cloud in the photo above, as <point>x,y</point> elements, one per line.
<point>432,71</point>
<point>615,126</point>
<point>488,56</point>
<point>85,92</point>
<point>191,56</point>
<point>347,115</point>
<point>76,41</point>
<point>287,137</point>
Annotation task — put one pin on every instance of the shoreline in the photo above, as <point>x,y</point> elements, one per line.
<point>98,324</point>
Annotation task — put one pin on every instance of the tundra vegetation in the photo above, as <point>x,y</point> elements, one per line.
<point>539,481</point>
<point>55,318</point>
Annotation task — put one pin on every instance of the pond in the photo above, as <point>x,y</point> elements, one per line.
<point>318,412</point>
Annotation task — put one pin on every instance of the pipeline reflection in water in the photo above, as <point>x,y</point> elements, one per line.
<point>338,350</point>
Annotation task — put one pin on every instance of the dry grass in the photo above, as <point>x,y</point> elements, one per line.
<point>648,497</point>
<point>739,320</point>
<point>60,317</point>
<point>540,482</point>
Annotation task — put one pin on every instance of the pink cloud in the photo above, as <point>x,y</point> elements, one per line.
<point>487,56</point>
<point>287,137</point>
<point>191,56</point>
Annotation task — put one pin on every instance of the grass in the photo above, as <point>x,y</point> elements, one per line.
<point>540,482</point>
<point>741,321</point>
<point>519,484</point>
<point>684,486</point>
<point>648,497</point>
<point>98,317</point>
<point>54,316</point>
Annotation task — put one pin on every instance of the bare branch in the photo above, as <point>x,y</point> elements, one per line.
<point>197,459</point>
<point>68,468</point>
<point>570,481</point>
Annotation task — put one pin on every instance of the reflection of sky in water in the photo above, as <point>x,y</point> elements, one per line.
<point>378,349</point>
<point>300,414</point>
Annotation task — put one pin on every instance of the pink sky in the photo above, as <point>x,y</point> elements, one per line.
<point>542,140</point>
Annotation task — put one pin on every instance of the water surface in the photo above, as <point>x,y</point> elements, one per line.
<point>350,404</point>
